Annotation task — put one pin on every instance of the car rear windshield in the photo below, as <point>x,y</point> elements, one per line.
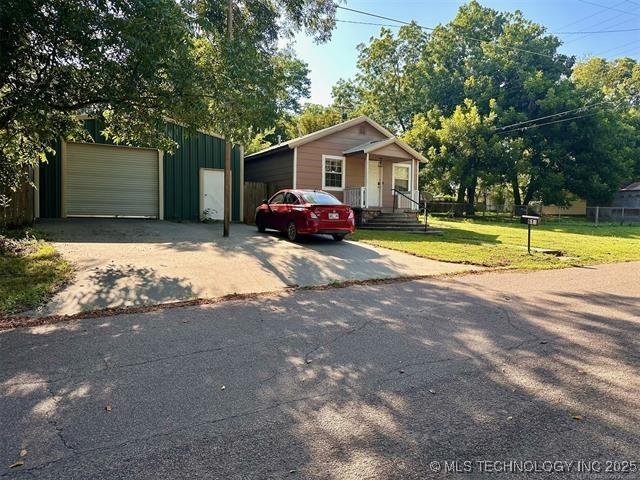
<point>320,198</point>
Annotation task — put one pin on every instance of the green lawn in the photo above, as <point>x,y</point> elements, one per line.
<point>28,278</point>
<point>503,245</point>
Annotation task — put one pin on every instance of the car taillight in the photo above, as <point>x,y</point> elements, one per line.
<point>313,215</point>
<point>351,217</point>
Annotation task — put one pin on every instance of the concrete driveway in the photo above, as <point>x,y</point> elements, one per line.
<point>140,262</point>
<point>365,382</point>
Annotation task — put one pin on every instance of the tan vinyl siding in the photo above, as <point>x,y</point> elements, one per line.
<point>392,150</point>
<point>355,170</point>
<point>387,183</point>
<point>310,155</point>
<point>578,207</point>
<point>276,169</point>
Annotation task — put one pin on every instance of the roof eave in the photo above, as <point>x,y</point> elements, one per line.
<point>273,149</point>
<point>296,142</point>
<point>401,144</point>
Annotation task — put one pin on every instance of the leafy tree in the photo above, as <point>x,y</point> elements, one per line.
<point>616,82</point>
<point>312,118</point>
<point>62,58</point>
<point>510,70</point>
<point>389,85</point>
<point>135,63</point>
<point>462,150</point>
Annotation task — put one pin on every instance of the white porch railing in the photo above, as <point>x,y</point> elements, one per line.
<point>355,196</point>
<point>403,203</point>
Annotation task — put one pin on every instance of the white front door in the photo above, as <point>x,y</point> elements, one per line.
<point>212,203</point>
<point>373,184</point>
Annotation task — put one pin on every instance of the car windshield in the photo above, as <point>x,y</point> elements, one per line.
<point>320,198</point>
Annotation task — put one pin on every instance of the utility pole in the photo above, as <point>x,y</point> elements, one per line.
<point>228,146</point>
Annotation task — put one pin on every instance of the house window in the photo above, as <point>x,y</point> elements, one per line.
<point>401,177</point>
<point>333,172</point>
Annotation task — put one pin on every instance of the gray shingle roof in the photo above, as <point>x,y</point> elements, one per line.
<point>632,187</point>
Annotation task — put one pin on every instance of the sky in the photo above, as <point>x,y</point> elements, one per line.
<point>337,59</point>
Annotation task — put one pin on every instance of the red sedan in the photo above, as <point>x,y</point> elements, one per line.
<point>302,212</point>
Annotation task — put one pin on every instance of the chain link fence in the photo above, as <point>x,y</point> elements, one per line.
<point>511,213</point>
<point>619,215</point>
<point>481,210</point>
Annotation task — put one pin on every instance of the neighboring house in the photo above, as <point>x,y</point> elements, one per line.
<point>358,161</point>
<point>576,207</point>
<point>628,196</point>
<point>105,180</point>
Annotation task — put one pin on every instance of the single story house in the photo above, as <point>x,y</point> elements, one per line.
<point>101,179</point>
<point>577,207</point>
<point>628,196</point>
<point>358,161</point>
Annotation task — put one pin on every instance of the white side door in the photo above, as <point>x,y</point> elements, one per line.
<point>373,184</point>
<point>212,194</point>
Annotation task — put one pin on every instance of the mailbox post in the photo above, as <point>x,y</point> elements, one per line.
<point>529,220</point>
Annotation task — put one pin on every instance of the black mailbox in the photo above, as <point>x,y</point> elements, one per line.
<point>529,219</point>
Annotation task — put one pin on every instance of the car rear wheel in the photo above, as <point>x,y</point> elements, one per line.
<point>292,232</point>
<point>338,238</point>
<point>260,225</point>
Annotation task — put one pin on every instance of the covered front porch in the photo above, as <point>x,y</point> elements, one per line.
<point>381,176</point>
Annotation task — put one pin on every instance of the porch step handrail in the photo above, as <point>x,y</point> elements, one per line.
<point>421,206</point>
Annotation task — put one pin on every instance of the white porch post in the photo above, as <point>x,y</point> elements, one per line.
<point>366,182</point>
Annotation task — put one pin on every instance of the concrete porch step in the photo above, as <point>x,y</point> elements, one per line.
<point>393,219</point>
<point>392,228</point>
<point>391,223</point>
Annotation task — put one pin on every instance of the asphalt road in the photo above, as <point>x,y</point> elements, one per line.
<point>375,381</point>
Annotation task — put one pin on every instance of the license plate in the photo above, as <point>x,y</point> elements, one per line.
<point>334,216</point>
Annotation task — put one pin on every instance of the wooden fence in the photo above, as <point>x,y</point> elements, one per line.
<point>254,194</point>
<point>16,208</point>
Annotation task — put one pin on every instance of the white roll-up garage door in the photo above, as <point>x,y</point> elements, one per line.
<point>104,180</point>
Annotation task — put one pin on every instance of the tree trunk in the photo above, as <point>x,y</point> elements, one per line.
<point>471,197</point>
<point>528,196</point>
<point>460,200</point>
<point>516,190</point>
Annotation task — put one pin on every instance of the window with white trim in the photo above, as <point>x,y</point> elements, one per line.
<point>333,174</point>
<point>401,177</point>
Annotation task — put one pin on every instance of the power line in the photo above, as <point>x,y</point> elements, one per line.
<point>619,47</point>
<point>583,107</point>
<point>527,127</point>
<point>598,31</point>
<point>588,2</point>
<point>368,23</point>
<point>550,33</point>
<point>522,129</point>
<point>506,47</point>
<point>575,39</point>
<point>595,14</point>
<point>579,109</point>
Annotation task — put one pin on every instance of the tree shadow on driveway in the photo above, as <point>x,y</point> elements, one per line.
<point>136,262</point>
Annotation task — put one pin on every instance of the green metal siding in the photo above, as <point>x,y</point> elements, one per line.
<point>181,173</point>
<point>51,184</point>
